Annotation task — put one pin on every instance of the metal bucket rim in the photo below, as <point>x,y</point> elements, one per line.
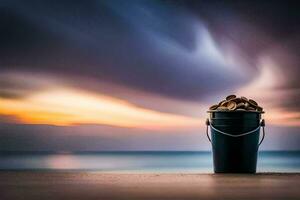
<point>234,111</point>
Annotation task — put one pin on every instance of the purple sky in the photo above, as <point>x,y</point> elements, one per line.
<point>114,75</point>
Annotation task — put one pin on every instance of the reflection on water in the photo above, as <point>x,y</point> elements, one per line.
<point>139,161</point>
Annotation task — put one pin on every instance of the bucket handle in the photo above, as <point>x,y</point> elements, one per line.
<point>262,124</point>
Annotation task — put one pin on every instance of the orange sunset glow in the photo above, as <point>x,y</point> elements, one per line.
<point>65,107</point>
<point>116,75</point>
<point>69,107</point>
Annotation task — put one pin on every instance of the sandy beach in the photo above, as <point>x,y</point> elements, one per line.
<point>96,185</point>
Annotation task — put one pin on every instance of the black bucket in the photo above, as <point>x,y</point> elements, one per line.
<point>235,140</point>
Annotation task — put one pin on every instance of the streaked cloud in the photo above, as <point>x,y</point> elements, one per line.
<point>60,106</point>
<point>141,66</point>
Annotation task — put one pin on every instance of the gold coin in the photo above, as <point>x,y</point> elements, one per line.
<point>244,99</point>
<point>240,105</point>
<point>237,103</point>
<point>236,100</point>
<point>213,107</point>
<point>252,102</point>
<point>222,108</point>
<point>251,108</point>
<point>230,97</point>
<point>259,109</point>
<point>239,100</point>
<point>231,105</point>
<point>222,102</point>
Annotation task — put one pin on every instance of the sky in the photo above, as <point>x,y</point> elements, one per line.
<point>140,75</point>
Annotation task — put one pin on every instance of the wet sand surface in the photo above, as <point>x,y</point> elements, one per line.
<point>96,185</point>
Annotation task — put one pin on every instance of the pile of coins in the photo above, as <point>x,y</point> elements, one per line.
<point>233,103</point>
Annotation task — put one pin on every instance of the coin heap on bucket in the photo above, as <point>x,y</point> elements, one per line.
<point>233,103</point>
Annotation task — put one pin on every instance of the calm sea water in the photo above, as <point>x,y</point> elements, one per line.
<point>279,161</point>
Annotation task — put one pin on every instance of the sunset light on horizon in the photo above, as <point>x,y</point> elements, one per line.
<point>65,107</point>
<point>149,99</point>
<point>142,75</point>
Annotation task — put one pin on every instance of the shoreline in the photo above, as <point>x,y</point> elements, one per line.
<point>97,171</point>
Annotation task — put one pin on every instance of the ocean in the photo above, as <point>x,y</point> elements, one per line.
<point>127,162</point>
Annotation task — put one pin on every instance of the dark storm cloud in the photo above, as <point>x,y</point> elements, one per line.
<point>259,29</point>
<point>151,46</point>
<point>145,45</point>
<point>161,47</point>
<point>238,20</point>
